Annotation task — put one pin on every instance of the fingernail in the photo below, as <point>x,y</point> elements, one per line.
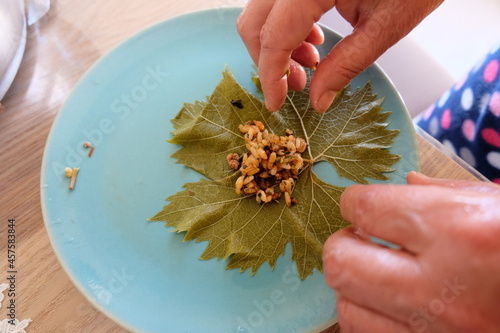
<point>325,100</point>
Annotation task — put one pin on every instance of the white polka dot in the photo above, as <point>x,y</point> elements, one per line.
<point>467,99</point>
<point>467,156</point>
<point>494,159</point>
<point>434,126</point>
<point>483,103</point>
<point>449,146</point>
<point>443,98</point>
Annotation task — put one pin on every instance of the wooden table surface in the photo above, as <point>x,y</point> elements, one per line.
<point>60,48</point>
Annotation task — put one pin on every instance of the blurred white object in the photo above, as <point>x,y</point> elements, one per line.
<point>13,30</point>
<point>459,34</point>
<point>37,9</point>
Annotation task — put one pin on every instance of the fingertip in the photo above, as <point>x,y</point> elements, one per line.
<point>346,196</point>
<point>336,70</point>
<point>414,177</point>
<point>417,178</point>
<point>351,231</point>
<point>272,106</point>
<point>297,78</point>
<point>274,98</point>
<point>327,246</point>
<point>274,88</point>
<point>306,54</point>
<point>346,191</point>
<point>354,200</point>
<point>324,101</point>
<point>334,251</point>
<point>316,36</point>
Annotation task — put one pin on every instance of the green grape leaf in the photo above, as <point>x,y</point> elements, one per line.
<point>247,233</point>
<point>351,135</point>
<point>188,115</point>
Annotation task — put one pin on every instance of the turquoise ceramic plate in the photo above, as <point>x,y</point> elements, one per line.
<point>138,273</point>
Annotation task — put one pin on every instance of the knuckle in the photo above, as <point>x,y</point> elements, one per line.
<point>241,26</point>
<point>267,36</point>
<point>247,31</point>
<point>272,38</point>
<point>340,70</point>
<point>348,69</point>
<point>480,229</point>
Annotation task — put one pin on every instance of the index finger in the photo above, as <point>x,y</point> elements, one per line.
<point>249,24</point>
<point>405,215</point>
<point>278,41</point>
<point>411,215</point>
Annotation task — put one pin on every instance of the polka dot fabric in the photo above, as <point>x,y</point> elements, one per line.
<point>466,119</point>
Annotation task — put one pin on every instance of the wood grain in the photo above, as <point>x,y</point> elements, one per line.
<point>60,49</point>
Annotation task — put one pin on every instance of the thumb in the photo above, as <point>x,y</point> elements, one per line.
<point>416,178</point>
<point>378,25</point>
<point>349,57</point>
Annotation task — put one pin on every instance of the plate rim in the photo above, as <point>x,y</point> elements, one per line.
<point>57,119</point>
<point>44,162</point>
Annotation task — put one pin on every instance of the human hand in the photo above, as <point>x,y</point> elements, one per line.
<point>279,35</point>
<point>446,275</point>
